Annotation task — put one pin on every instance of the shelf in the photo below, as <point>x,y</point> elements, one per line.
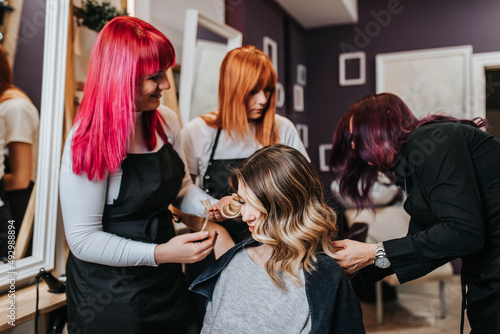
<point>25,303</point>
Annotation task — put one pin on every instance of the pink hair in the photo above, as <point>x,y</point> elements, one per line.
<point>126,50</point>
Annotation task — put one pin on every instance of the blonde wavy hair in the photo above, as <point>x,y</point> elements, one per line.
<point>295,221</point>
<point>244,70</point>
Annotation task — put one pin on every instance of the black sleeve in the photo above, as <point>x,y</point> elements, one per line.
<point>449,210</point>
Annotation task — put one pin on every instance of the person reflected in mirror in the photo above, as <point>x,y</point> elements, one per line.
<point>19,128</point>
<point>122,166</point>
<point>283,279</point>
<point>449,169</point>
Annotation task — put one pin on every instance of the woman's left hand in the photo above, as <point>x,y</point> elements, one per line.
<point>214,214</point>
<point>353,255</point>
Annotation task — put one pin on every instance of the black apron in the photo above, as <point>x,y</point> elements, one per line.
<point>138,299</point>
<point>216,184</point>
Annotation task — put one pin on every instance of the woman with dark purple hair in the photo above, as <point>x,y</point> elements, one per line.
<point>450,171</point>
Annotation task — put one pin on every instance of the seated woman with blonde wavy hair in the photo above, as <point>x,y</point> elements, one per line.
<point>284,279</point>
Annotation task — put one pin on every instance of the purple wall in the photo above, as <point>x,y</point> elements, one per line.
<point>384,26</point>
<point>207,35</point>
<point>388,26</point>
<point>28,63</point>
<point>235,15</point>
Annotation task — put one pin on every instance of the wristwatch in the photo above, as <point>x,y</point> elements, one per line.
<point>381,260</point>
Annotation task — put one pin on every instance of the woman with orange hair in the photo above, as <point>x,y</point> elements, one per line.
<point>245,121</point>
<point>121,168</point>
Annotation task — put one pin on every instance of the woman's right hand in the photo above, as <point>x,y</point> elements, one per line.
<point>214,214</point>
<point>186,248</point>
<point>353,255</point>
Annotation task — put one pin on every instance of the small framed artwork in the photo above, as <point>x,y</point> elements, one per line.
<point>271,50</point>
<point>280,95</point>
<point>298,98</point>
<point>303,131</point>
<point>324,156</point>
<point>301,74</point>
<point>352,68</point>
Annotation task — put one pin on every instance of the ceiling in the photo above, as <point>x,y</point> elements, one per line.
<point>320,13</point>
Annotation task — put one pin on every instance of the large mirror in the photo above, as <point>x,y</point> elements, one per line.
<point>201,60</point>
<point>20,271</point>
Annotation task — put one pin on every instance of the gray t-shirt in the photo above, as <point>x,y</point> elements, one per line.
<point>246,301</point>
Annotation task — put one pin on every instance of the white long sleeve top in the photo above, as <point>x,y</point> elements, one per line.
<point>198,139</point>
<point>83,201</point>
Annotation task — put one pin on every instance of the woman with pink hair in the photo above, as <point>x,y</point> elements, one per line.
<point>450,170</point>
<point>122,166</point>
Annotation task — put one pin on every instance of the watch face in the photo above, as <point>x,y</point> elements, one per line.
<point>382,262</point>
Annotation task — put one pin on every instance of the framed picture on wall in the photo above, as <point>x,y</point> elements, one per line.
<point>298,98</point>
<point>280,95</point>
<point>271,50</point>
<point>324,156</point>
<point>301,75</point>
<point>352,68</point>
<point>430,80</point>
<point>303,131</point>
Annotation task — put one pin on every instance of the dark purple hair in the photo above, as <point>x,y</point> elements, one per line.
<point>381,127</point>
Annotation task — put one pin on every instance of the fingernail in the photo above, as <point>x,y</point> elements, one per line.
<point>204,233</point>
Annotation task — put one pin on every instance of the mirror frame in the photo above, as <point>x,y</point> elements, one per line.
<point>480,63</point>
<point>194,19</point>
<point>50,148</point>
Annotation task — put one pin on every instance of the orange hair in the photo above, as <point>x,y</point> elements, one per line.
<point>244,70</point>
